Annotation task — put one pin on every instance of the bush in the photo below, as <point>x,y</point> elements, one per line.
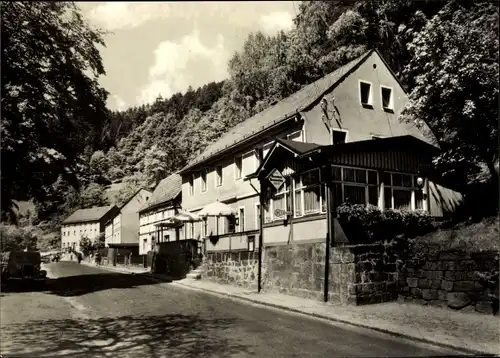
<point>368,224</point>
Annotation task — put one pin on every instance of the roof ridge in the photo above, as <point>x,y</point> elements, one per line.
<point>209,152</point>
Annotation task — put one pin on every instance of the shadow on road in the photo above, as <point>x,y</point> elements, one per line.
<point>167,336</point>
<point>78,285</point>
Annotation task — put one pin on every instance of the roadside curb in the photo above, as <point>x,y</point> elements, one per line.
<point>355,324</point>
<point>393,333</point>
<point>113,269</point>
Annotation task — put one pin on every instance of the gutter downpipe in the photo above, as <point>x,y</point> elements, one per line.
<point>329,226</point>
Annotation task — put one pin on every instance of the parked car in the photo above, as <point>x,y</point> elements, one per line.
<point>24,267</point>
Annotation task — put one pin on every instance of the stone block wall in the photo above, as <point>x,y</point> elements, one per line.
<point>295,269</point>
<point>449,279</point>
<point>237,268</point>
<point>376,274</point>
<point>357,274</point>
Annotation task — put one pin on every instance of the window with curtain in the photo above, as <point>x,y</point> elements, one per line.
<point>401,192</point>
<point>308,193</point>
<point>355,186</point>
<point>281,199</point>
<point>267,211</point>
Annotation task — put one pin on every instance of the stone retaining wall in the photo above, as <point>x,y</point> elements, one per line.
<point>238,268</point>
<point>449,279</point>
<point>363,274</point>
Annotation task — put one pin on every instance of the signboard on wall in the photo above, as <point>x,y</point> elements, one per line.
<point>276,178</point>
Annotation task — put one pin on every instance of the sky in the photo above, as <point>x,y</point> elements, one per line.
<point>163,48</point>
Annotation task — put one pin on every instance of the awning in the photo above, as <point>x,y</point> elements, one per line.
<point>186,216</point>
<point>217,209</point>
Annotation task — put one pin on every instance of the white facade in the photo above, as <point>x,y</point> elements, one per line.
<point>108,233</point>
<point>71,234</point>
<point>149,232</point>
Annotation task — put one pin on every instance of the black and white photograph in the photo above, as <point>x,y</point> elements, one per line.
<point>249,179</point>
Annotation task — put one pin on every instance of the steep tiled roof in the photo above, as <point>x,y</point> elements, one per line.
<point>167,190</point>
<point>280,111</point>
<point>85,215</point>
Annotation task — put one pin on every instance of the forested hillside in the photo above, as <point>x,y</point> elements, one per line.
<point>444,52</point>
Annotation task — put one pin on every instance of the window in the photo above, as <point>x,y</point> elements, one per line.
<point>355,186</point>
<point>241,219</point>
<point>296,136</point>
<point>365,93</point>
<point>339,137</point>
<point>205,227</point>
<point>400,192</point>
<point>251,243</point>
<point>248,163</point>
<point>191,185</point>
<point>230,224</point>
<point>281,200</point>
<point>144,244</point>
<point>203,180</point>
<point>308,198</point>
<point>237,167</point>
<point>218,175</point>
<point>387,99</point>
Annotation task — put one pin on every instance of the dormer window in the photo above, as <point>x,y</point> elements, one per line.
<point>387,98</point>
<point>365,93</point>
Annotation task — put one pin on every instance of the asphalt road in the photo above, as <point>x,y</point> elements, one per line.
<point>88,312</point>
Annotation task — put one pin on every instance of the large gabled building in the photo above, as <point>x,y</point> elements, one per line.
<point>88,223</point>
<point>358,102</point>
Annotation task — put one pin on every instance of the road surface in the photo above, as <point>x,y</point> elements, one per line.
<point>89,312</point>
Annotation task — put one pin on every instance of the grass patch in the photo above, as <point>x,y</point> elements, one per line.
<point>471,237</point>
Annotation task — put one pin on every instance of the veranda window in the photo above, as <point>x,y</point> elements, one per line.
<point>400,192</point>
<point>281,199</point>
<point>354,186</point>
<point>308,193</point>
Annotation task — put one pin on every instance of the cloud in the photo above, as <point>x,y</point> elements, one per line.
<point>120,15</point>
<point>117,103</point>
<point>185,63</point>
<point>276,21</point>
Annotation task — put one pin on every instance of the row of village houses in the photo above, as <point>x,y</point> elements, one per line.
<point>338,135</point>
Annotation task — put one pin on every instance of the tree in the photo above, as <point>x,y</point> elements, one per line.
<point>14,238</point>
<point>86,245</point>
<point>455,67</point>
<point>52,104</point>
<point>93,195</point>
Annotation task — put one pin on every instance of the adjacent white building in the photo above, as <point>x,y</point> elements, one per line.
<point>165,202</point>
<point>122,228</point>
<point>85,223</point>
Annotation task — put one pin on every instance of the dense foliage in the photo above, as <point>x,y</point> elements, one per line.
<point>52,105</point>
<point>444,51</point>
<point>369,224</point>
